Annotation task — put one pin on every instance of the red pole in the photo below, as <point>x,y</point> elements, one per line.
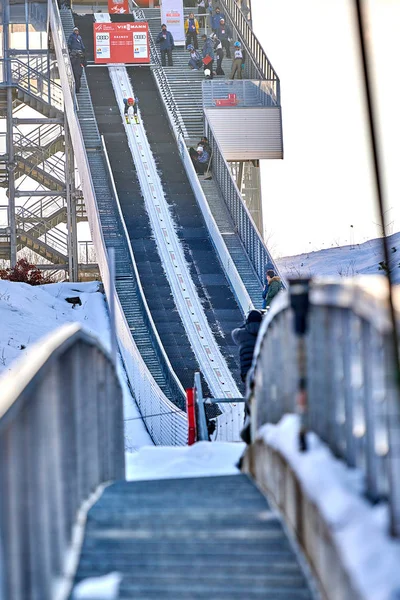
<point>191,415</point>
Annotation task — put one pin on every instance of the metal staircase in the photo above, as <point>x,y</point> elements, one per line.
<point>36,89</point>
<point>184,83</point>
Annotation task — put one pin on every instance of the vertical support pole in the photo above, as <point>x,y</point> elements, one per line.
<point>73,262</point>
<point>10,138</point>
<point>299,301</point>
<point>191,415</point>
<point>202,421</point>
<point>393,426</point>
<point>111,260</point>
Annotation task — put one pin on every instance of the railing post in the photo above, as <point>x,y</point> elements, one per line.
<point>111,256</point>
<point>202,421</point>
<point>299,302</point>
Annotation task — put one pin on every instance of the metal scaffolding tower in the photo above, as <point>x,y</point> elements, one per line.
<point>40,205</point>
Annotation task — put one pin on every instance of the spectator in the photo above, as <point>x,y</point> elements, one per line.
<point>77,62</point>
<point>245,337</point>
<point>167,44</point>
<point>216,19</point>
<point>219,52</point>
<point>237,62</point>
<point>272,288</point>
<point>191,30</point>
<point>208,55</point>
<point>200,159</point>
<point>75,41</point>
<point>203,160</point>
<point>225,35</point>
<point>202,6</point>
<point>205,144</point>
<point>195,62</point>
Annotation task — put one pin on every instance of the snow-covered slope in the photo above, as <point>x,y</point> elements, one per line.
<point>29,313</point>
<point>343,261</point>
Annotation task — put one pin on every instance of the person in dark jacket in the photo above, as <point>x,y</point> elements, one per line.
<point>245,337</point>
<point>216,19</point>
<point>167,44</point>
<point>219,53</point>
<point>225,35</point>
<point>208,53</point>
<point>75,41</point>
<point>77,62</point>
<point>272,288</point>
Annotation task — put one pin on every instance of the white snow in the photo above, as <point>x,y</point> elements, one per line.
<point>359,529</point>
<point>203,459</point>
<point>98,588</point>
<point>28,313</point>
<point>344,261</point>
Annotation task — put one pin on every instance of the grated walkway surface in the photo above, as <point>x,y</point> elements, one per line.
<point>206,538</point>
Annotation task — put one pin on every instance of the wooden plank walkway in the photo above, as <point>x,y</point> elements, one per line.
<point>206,538</point>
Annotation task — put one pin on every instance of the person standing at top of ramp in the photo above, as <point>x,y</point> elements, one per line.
<point>75,41</point>
<point>167,44</point>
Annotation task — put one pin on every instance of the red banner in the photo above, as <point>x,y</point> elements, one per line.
<point>118,7</point>
<point>121,43</point>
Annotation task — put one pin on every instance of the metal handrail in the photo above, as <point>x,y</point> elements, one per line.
<point>163,82</point>
<point>251,238</point>
<point>351,397</point>
<point>24,75</point>
<point>61,437</point>
<point>260,67</point>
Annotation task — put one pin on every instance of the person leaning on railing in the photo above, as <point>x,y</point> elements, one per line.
<point>272,287</point>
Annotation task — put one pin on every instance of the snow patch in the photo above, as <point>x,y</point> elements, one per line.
<point>203,459</point>
<point>359,529</point>
<point>28,313</point>
<point>98,588</point>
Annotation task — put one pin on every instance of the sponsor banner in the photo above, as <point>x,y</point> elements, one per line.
<point>121,43</point>
<point>172,16</point>
<point>118,7</point>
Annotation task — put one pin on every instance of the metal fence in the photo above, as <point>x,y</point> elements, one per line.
<point>254,244</point>
<point>61,436</point>
<point>353,401</point>
<point>257,64</point>
<point>240,94</point>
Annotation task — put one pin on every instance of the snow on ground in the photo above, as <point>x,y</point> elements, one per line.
<point>98,588</point>
<point>28,313</point>
<point>359,528</point>
<point>200,460</point>
<point>343,261</point>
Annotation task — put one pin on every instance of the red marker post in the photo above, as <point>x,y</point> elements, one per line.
<point>191,416</point>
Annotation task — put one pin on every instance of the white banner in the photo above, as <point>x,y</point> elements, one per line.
<point>172,16</point>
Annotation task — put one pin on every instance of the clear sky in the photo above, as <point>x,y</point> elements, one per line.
<point>325,183</point>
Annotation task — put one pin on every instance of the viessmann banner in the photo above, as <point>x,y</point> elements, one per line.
<point>172,16</point>
<point>121,43</point>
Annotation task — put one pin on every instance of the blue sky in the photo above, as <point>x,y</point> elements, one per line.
<point>325,185</point>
